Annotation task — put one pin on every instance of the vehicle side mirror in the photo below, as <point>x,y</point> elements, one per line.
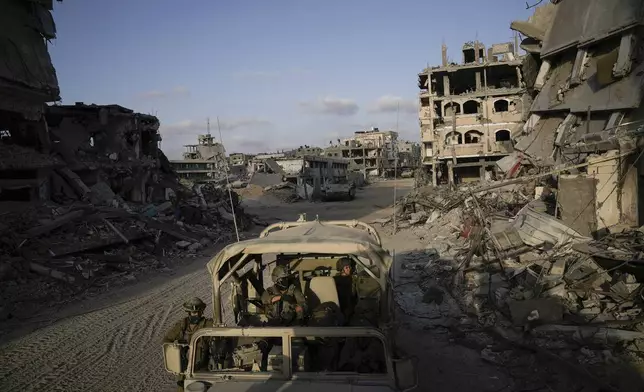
<point>173,357</point>
<point>405,373</point>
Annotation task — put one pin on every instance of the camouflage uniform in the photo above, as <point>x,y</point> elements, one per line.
<point>182,332</point>
<point>347,288</point>
<point>283,311</point>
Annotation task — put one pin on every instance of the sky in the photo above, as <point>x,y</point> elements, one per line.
<point>276,74</point>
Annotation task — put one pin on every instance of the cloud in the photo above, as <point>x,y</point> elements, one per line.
<point>332,106</point>
<point>179,91</point>
<point>188,127</point>
<point>390,104</point>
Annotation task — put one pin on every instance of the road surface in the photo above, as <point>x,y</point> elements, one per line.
<point>114,343</point>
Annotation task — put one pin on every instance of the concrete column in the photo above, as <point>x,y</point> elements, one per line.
<point>434,178</point>
<point>444,54</point>
<point>482,169</point>
<point>450,174</point>
<point>447,91</point>
<point>478,81</point>
<point>543,73</point>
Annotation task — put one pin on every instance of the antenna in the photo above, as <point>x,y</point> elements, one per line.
<point>230,189</point>
<point>208,124</point>
<point>396,166</point>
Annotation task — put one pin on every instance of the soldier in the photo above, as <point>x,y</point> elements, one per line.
<point>284,302</point>
<point>183,330</point>
<point>345,283</point>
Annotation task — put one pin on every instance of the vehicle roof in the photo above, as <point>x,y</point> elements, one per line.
<point>307,237</point>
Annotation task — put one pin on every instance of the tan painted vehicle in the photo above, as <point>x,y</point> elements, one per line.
<point>244,351</point>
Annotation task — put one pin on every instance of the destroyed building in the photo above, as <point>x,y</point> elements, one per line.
<point>469,111</point>
<point>408,154</point>
<point>585,71</point>
<point>372,152</point>
<point>202,162</point>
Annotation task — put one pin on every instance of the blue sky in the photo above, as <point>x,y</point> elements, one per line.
<point>277,73</point>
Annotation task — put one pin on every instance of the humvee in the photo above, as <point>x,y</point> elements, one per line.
<point>247,355</point>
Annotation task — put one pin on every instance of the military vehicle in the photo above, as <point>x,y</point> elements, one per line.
<point>248,355</point>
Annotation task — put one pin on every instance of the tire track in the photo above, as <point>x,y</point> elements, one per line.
<point>109,349</point>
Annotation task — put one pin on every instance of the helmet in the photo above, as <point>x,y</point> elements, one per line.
<point>194,305</point>
<point>343,262</point>
<point>280,276</point>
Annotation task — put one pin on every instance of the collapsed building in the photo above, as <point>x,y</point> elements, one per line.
<point>584,69</point>
<point>202,162</point>
<point>548,257</point>
<point>470,111</point>
<point>87,197</point>
<point>373,152</point>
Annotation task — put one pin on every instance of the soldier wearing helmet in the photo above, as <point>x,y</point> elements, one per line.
<point>284,302</point>
<point>346,284</point>
<point>183,330</point>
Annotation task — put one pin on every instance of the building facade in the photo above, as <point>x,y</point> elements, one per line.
<point>469,111</point>
<point>202,162</point>
<point>373,151</point>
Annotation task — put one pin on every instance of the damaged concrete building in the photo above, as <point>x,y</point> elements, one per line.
<point>584,69</point>
<point>27,76</point>
<point>469,111</point>
<point>202,162</point>
<point>373,152</point>
<point>107,146</point>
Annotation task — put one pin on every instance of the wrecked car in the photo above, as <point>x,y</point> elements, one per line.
<point>246,349</point>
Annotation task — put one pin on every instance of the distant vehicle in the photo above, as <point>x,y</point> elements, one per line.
<point>247,355</point>
<point>345,190</point>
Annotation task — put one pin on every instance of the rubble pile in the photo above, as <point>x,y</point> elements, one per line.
<point>285,192</point>
<point>524,275</point>
<point>100,207</point>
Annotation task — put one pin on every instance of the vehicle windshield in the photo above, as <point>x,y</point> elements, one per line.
<point>252,352</point>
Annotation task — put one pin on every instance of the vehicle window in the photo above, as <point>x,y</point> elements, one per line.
<point>364,355</point>
<point>239,354</point>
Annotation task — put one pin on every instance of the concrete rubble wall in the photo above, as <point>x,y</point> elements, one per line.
<point>103,205</point>
<point>587,100</point>
<point>27,75</point>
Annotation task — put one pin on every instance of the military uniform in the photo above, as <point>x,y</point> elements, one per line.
<point>283,311</point>
<point>182,332</point>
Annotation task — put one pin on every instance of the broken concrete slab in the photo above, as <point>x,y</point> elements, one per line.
<point>183,244</point>
<point>546,310</point>
<point>101,194</point>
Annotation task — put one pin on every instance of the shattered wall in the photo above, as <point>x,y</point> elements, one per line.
<point>27,75</point>
<point>588,97</point>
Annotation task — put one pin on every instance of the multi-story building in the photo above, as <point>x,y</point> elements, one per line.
<point>408,154</point>
<point>239,159</point>
<point>373,151</point>
<point>470,111</point>
<point>202,162</point>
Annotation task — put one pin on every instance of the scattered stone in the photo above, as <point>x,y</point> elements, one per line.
<point>182,244</point>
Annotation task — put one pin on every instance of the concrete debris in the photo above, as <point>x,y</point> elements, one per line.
<point>101,207</point>
<point>503,252</point>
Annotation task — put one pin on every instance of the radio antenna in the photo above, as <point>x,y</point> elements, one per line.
<point>395,146</point>
<point>230,189</point>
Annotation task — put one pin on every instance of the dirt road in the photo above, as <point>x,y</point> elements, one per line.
<point>117,347</point>
<point>113,343</point>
